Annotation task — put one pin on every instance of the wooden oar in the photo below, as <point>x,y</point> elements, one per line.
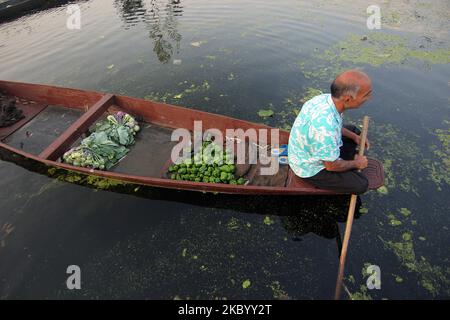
<point>351,213</point>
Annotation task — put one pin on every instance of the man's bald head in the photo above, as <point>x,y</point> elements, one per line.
<point>353,87</point>
<point>349,83</point>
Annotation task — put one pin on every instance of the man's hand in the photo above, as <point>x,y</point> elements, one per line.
<point>357,140</point>
<point>360,162</point>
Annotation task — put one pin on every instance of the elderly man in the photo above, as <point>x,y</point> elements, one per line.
<point>323,152</point>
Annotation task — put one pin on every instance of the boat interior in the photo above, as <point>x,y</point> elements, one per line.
<point>49,129</point>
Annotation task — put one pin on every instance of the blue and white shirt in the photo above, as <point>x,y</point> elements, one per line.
<point>316,136</point>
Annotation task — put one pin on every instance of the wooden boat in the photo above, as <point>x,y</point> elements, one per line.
<point>14,8</point>
<point>57,118</point>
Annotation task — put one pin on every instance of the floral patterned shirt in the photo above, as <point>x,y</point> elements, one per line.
<point>316,136</point>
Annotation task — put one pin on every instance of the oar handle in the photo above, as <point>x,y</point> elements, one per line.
<point>365,129</point>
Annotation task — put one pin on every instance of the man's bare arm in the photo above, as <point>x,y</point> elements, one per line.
<point>349,134</point>
<point>360,163</point>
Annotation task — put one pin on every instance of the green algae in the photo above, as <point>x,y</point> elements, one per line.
<point>392,17</point>
<point>433,279</point>
<point>395,222</point>
<point>101,183</point>
<point>310,93</point>
<point>246,284</point>
<point>380,49</point>
<point>363,210</point>
<point>268,221</point>
<point>104,183</point>
<point>402,158</point>
<point>438,169</point>
<point>278,292</point>
<point>388,173</point>
<point>405,212</point>
<point>383,190</point>
<point>361,294</point>
<point>233,224</point>
<point>376,49</point>
<point>351,279</point>
<point>265,113</point>
<point>407,236</point>
<point>190,89</point>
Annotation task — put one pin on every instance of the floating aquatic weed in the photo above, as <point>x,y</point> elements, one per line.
<point>393,221</point>
<point>434,279</point>
<point>246,284</point>
<point>401,153</point>
<point>407,236</point>
<point>268,221</point>
<point>381,48</point>
<point>361,294</point>
<point>159,97</point>
<point>265,113</point>
<point>351,279</point>
<point>168,97</point>
<point>278,292</point>
<point>438,169</point>
<point>383,190</point>
<point>405,212</point>
<point>310,93</point>
<point>392,18</point>
<point>363,210</point>
<point>104,183</point>
<point>233,224</point>
<point>375,49</point>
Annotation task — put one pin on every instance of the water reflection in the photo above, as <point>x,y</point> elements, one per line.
<point>299,215</point>
<point>160,18</point>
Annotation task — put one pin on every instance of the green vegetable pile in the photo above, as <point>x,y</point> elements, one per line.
<point>211,165</point>
<point>107,145</point>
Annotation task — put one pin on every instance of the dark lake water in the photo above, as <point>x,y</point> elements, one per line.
<point>239,57</point>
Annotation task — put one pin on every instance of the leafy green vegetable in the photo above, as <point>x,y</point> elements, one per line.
<point>106,145</point>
